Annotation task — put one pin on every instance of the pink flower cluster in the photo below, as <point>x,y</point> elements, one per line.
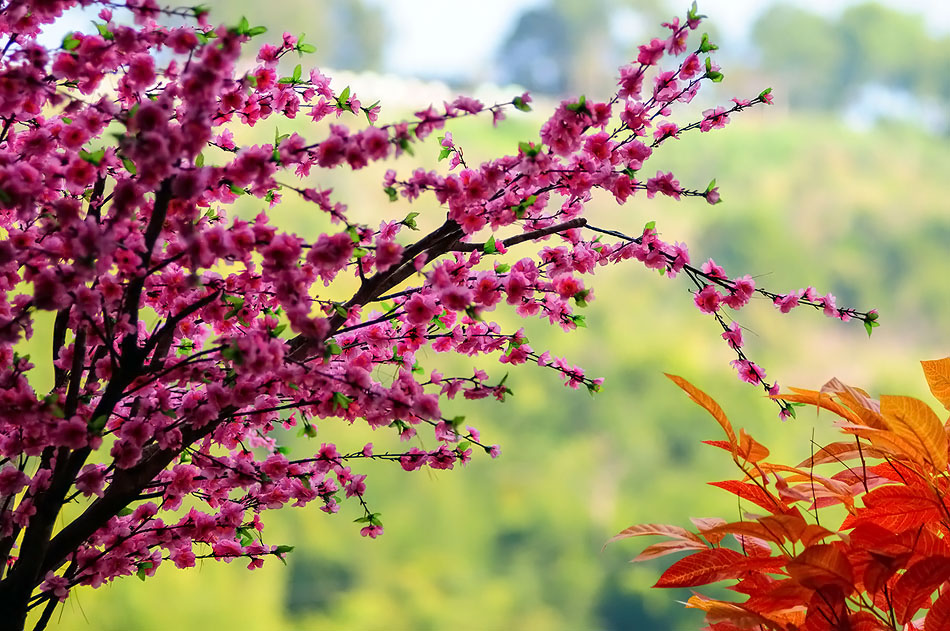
<point>188,344</point>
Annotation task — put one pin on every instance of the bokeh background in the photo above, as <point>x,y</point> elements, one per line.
<point>840,185</point>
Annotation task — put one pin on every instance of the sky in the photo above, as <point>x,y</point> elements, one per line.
<point>450,37</point>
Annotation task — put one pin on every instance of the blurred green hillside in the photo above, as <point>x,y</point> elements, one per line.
<point>516,543</point>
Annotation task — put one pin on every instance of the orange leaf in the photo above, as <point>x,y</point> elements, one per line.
<point>704,400</point>
<point>913,589</point>
<point>707,524</point>
<point>938,618</point>
<point>663,530</point>
<point>721,611</point>
<point>663,548</point>
<point>822,565</point>
<point>750,449</point>
<point>937,373</point>
<point>915,422</point>
<point>867,409</point>
<point>819,399</point>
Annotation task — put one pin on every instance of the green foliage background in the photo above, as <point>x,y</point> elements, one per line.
<point>516,543</point>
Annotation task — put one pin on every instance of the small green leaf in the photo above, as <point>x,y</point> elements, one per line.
<point>489,247</point>
<point>520,104</point>
<point>869,326</point>
<point>298,70</point>
<point>341,401</point>
<point>243,26</point>
<point>129,166</point>
<point>237,190</point>
<point>764,93</point>
<point>344,97</point>
<point>97,424</point>
<point>711,186</point>
<point>393,195</point>
<point>706,46</point>
<point>306,48</point>
<point>142,567</point>
<point>650,225</point>
<point>529,149</point>
<point>257,30</point>
<point>70,42</point>
<point>93,157</point>
<point>125,511</point>
<point>501,268</point>
<point>104,32</point>
<point>410,221</point>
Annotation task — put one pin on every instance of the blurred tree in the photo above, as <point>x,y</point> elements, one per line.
<point>567,47</point>
<point>825,62</point>
<point>351,35</point>
<point>806,53</point>
<point>884,45</point>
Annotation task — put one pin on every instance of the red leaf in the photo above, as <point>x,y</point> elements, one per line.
<point>754,494</point>
<point>938,618</point>
<point>667,547</point>
<point>896,508</point>
<point>821,566</point>
<point>913,589</point>
<point>711,565</point>
<point>663,530</point>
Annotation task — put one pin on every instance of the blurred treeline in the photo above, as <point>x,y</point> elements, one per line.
<point>516,543</point>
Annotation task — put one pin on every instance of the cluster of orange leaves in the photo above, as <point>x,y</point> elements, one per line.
<point>887,564</point>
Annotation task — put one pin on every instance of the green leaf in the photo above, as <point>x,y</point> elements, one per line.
<point>445,153</point>
<point>489,247</point>
<point>711,186</point>
<point>706,46</point>
<point>410,221</point>
<point>93,157</point>
<point>104,31</point>
<point>125,511</point>
<point>521,105</point>
<point>715,76</point>
<point>97,424</point>
<point>650,225</point>
<point>142,567</point>
<point>70,42</point>
<point>298,70</point>
<point>243,26</point>
<point>869,326</point>
<point>501,268</point>
<point>237,190</point>
<point>580,106</point>
<point>529,149</point>
<point>393,195</point>
<point>693,13</point>
<point>129,166</point>
<point>257,30</point>
<point>765,93</point>
<point>579,320</point>
<point>306,48</point>
<point>344,97</point>
<point>341,401</point>
<point>463,445</point>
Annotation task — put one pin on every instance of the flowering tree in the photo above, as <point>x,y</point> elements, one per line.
<point>881,562</point>
<point>185,342</point>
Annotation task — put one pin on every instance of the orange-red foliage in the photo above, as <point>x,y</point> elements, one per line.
<point>887,564</point>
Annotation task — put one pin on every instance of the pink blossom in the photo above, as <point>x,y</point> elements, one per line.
<point>748,372</point>
<point>708,299</point>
